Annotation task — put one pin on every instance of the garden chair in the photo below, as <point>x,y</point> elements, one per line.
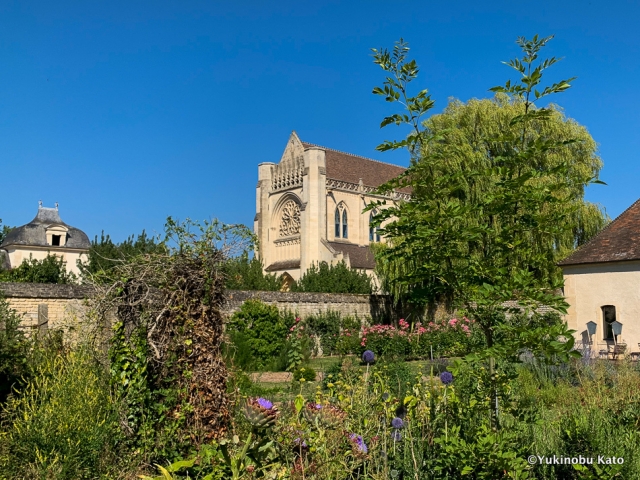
<point>635,355</point>
<point>618,350</point>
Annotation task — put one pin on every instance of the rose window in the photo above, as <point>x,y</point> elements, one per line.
<point>290,221</point>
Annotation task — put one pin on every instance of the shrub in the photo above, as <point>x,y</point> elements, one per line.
<point>325,326</point>
<point>244,274</point>
<point>308,373</point>
<point>260,331</point>
<point>13,350</point>
<point>333,279</point>
<point>64,422</point>
<point>50,269</point>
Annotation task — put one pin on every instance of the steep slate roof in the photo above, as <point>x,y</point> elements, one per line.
<point>351,168</point>
<point>618,241</point>
<point>34,233</point>
<point>283,265</point>
<point>359,256</point>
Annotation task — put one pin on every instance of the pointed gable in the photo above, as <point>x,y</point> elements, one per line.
<point>619,241</point>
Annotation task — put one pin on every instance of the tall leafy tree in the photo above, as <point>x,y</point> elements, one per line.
<point>497,197</point>
<point>105,254</point>
<point>242,273</point>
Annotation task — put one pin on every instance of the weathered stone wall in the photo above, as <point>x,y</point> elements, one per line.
<point>48,304</point>
<point>378,307</point>
<point>63,302</point>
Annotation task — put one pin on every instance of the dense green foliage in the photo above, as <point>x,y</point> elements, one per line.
<point>259,334</point>
<point>64,421</point>
<point>4,229</point>
<point>244,274</point>
<point>51,269</point>
<point>498,189</point>
<point>333,279</point>
<point>105,254</point>
<point>14,348</point>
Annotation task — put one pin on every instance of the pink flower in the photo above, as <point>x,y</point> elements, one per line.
<point>292,329</point>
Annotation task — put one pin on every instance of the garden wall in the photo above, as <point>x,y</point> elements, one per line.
<point>47,305</point>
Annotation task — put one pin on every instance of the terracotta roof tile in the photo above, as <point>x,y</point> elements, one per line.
<point>359,257</point>
<point>351,168</point>
<point>618,241</point>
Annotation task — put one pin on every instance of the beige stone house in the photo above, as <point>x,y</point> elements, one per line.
<point>602,285</point>
<point>309,208</point>
<point>45,234</point>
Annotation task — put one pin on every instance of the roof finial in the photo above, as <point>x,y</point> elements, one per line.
<point>56,205</point>
<point>40,203</point>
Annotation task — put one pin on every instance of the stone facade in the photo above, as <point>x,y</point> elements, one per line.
<point>309,208</point>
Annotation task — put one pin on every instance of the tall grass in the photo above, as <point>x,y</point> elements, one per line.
<point>63,424</point>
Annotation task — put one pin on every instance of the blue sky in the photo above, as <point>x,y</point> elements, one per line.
<point>127,112</point>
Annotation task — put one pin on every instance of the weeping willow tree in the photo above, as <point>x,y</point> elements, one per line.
<point>461,157</point>
<point>497,199</point>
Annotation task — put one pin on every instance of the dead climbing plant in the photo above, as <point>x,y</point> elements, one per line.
<point>165,355</point>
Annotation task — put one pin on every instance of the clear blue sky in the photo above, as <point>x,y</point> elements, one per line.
<point>127,112</point>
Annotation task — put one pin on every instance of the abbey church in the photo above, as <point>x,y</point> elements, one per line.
<point>309,208</point>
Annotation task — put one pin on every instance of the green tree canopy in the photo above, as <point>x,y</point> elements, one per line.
<point>105,254</point>
<point>333,279</point>
<point>51,269</point>
<point>242,273</point>
<point>498,187</point>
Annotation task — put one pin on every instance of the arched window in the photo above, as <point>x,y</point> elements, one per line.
<point>374,236</point>
<point>341,222</point>
<point>608,317</point>
<point>345,231</point>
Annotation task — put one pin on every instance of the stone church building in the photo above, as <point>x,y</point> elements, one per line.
<point>309,208</point>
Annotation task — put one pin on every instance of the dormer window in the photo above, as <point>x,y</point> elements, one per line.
<point>57,235</point>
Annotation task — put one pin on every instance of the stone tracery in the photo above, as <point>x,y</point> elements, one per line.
<point>290,219</point>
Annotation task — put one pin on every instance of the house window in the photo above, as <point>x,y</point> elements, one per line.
<point>55,240</point>
<point>608,317</point>
<point>341,222</point>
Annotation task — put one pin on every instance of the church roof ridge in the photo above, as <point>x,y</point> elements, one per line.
<point>308,144</point>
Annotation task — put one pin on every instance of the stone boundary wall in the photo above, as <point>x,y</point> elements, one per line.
<point>46,305</point>
<point>377,307</point>
<point>51,304</point>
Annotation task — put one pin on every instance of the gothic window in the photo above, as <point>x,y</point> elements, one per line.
<point>374,236</point>
<point>345,232</point>
<point>290,219</point>
<point>608,317</point>
<point>341,222</point>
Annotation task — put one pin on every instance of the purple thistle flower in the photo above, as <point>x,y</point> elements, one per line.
<point>359,441</point>
<point>298,441</point>
<point>397,423</point>
<point>368,357</point>
<point>396,436</point>
<point>264,403</point>
<point>446,378</point>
